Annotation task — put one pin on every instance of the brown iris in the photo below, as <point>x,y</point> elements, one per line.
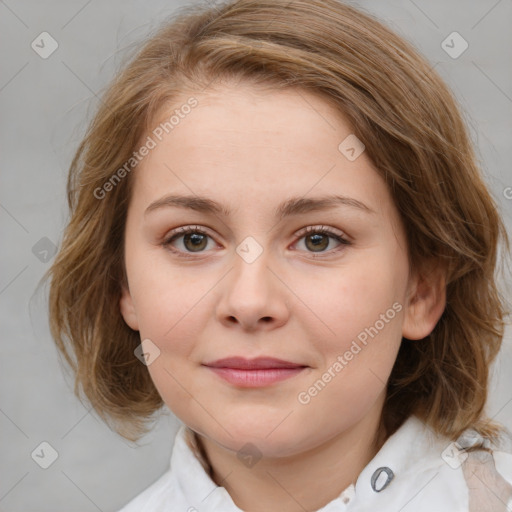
<point>319,241</point>
<point>198,241</point>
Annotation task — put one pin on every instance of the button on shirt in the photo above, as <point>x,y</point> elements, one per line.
<point>414,471</point>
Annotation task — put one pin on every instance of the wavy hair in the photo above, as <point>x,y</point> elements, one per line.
<point>415,136</point>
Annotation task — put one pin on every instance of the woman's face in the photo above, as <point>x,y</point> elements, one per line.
<point>256,176</point>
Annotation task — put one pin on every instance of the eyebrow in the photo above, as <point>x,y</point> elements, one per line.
<point>292,206</point>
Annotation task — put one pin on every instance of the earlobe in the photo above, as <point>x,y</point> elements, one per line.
<point>127,308</point>
<point>425,305</point>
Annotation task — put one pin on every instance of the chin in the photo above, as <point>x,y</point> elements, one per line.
<point>261,436</point>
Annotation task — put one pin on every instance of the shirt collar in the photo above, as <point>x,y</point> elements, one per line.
<point>193,482</point>
<point>412,452</point>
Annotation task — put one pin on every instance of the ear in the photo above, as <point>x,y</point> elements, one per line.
<point>426,302</point>
<point>127,308</point>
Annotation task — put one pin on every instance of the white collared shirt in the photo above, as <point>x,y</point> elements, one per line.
<point>414,471</point>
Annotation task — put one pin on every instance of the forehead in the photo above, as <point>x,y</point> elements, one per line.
<point>251,116</point>
<point>244,144</point>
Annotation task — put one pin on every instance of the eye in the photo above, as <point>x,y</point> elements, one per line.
<point>318,238</point>
<point>194,238</point>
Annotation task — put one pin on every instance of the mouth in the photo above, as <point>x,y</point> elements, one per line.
<point>253,373</point>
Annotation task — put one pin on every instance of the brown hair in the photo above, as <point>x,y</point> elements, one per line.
<point>414,135</point>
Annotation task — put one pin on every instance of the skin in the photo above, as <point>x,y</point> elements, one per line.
<point>251,149</point>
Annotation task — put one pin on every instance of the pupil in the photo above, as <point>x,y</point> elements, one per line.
<point>197,240</point>
<point>317,240</point>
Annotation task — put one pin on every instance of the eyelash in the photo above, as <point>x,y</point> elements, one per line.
<point>309,230</point>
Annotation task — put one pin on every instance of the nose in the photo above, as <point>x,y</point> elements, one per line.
<point>253,296</point>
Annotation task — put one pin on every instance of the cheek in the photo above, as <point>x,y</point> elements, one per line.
<point>173,308</point>
<point>356,299</point>
<point>171,376</point>
<point>167,299</point>
<point>361,312</point>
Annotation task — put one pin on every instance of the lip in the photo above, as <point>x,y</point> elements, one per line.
<point>253,373</point>
<point>258,363</point>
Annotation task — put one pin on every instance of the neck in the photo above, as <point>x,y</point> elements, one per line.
<point>304,481</point>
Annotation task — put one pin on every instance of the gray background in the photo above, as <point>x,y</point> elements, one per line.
<point>45,105</point>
